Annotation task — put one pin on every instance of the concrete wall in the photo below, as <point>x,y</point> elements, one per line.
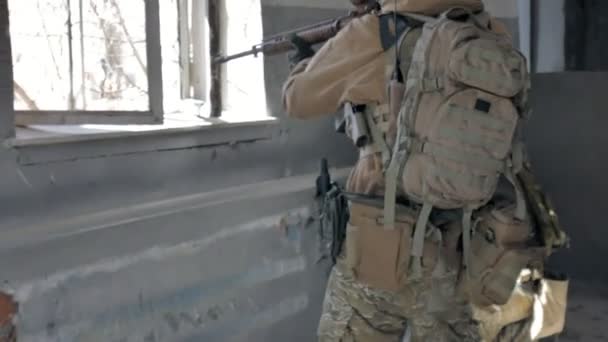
<point>215,242</point>
<point>549,35</point>
<point>568,144</point>
<point>188,236</point>
<point>587,32</point>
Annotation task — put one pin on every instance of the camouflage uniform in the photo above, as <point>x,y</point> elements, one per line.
<point>353,311</point>
<point>351,68</point>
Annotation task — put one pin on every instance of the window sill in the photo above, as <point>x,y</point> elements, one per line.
<point>174,123</point>
<point>49,144</point>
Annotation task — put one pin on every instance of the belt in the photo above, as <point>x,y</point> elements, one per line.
<point>438,216</point>
<point>378,202</point>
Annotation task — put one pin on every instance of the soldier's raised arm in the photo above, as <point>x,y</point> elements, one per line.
<point>345,69</point>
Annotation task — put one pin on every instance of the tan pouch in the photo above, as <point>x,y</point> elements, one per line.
<point>379,257</point>
<point>492,319</point>
<point>550,308</point>
<point>499,252</point>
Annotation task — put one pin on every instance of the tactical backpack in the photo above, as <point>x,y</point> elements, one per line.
<point>465,93</point>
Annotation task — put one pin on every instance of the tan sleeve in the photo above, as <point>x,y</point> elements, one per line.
<point>349,67</point>
<point>499,27</point>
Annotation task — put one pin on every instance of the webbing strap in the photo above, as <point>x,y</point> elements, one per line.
<point>420,17</point>
<point>418,241</point>
<point>518,155</point>
<point>390,189</point>
<point>406,46</point>
<point>441,268</point>
<point>378,138</point>
<point>521,209</point>
<point>431,84</point>
<point>380,115</point>
<point>467,227</point>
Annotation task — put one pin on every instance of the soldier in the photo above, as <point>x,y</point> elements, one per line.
<point>371,294</point>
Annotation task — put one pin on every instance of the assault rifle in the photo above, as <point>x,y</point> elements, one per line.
<point>312,34</point>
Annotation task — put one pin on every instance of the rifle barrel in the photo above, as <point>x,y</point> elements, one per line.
<point>279,43</point>
<point>304,28</point>
<point>224,59</point>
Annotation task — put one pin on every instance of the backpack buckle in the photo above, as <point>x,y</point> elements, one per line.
<point>415,145</point>
<point>429,85</point>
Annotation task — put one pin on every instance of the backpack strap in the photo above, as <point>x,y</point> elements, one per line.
<point>418,241</point>
<point>513,166</point>
<point>467,231</point>
<point>419,17</point>
<point>521,211</point>
<point>378,131</point>
<point>407,44</point>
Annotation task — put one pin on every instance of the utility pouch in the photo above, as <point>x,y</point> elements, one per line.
<point>334,219</point>
<point>500,249</point>
<point>550,305</point>
<point>544,215</point>
<point>356,124</point>
<point>380,257</point>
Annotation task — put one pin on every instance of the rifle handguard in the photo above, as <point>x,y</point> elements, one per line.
<point>312,34</point>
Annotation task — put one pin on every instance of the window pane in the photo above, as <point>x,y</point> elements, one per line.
<point>96,63</point>
<point>40,54</point>
<point>170,52</point>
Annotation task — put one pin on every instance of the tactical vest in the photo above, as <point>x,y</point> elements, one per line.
<point>456,134</point>
<point>436,148</point>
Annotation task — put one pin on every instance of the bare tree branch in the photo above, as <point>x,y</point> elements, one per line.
<point>128,36</point>
<point>82,71</point>
<point>71,100</point>
<point>31,104</point>
<point>48,40</point>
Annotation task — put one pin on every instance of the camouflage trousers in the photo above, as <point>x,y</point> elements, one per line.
<point>353,311</point>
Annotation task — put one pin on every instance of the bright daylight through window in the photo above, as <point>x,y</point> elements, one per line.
<point>101,61</point>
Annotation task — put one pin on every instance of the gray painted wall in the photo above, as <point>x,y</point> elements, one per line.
<point>568,143</point>
<point>192,244</point>
<point>210,242</point>
<point>587,32</point>
<point>549,27</point>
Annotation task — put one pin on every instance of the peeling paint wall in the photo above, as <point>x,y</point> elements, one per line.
<point>216,242</point>
<point>8,314</point>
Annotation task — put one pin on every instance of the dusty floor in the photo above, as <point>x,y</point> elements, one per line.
<point>587,319</point>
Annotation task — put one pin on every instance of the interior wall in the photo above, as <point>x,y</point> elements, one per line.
<point>211,242</point>
<point>567,142</point>
<point>587,33</point>
<point>218,242</point>
<point>549,28</point>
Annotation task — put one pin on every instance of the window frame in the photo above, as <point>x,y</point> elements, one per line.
<point>62,148</point>
<point>154,115</point>
<point>7,114</point>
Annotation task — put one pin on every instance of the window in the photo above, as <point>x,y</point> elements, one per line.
<point>86,61</point>
<point>96,66</point>
<point>242,89</point>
